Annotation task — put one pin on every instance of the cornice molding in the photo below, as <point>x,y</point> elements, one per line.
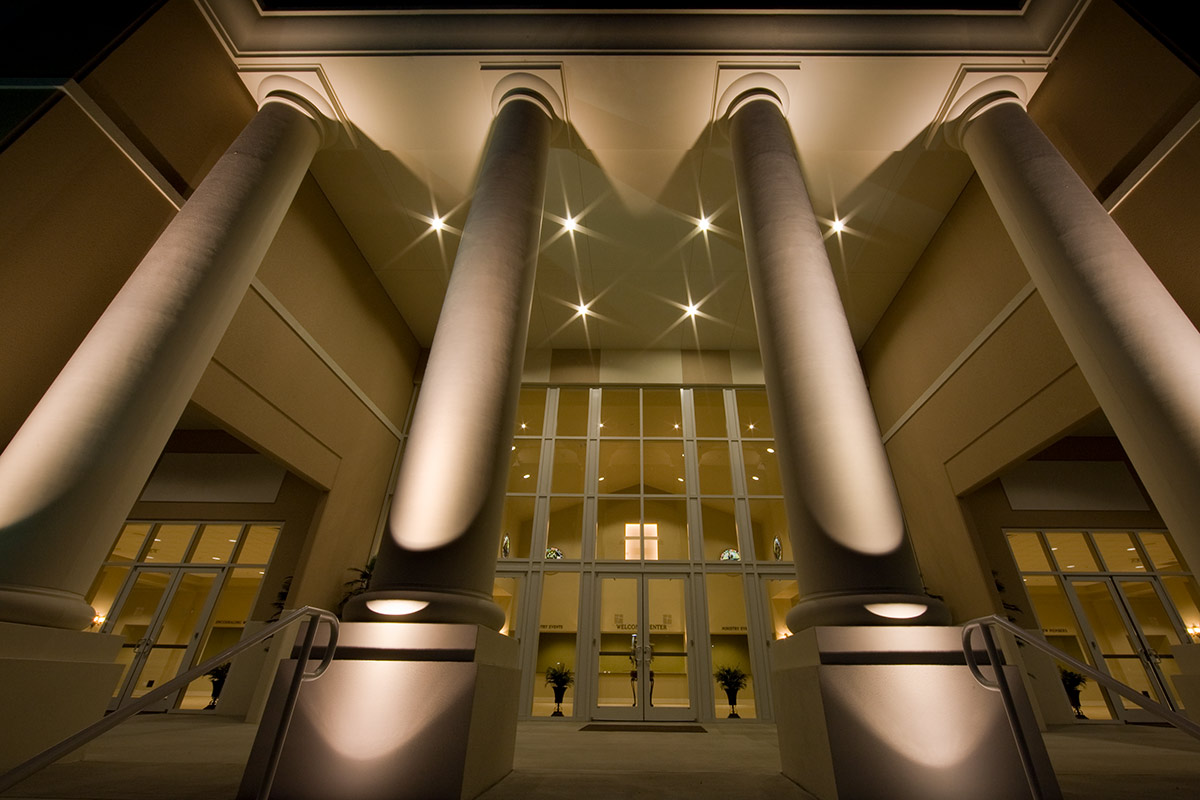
<point>1035,30</point>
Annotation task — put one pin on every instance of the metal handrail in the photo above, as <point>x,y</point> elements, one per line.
<point>77,740</point>
<point>1000,684</point>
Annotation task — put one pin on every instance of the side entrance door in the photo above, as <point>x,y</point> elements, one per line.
<point>641,649</point>
<point>161,613</point>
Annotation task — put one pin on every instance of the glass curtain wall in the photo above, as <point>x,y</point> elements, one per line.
<point>645,488</point>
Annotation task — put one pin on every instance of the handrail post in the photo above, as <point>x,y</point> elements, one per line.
<point>1010,709</point>
<point>289,706</point>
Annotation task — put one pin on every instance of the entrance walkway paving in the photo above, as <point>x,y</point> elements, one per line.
<point>200,757</point>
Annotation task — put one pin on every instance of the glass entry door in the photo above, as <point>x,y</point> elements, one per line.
<point>1131,632</point>
<point>161,614</point>
<point>642,648</point>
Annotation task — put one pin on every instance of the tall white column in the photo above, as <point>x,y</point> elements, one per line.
<point>76,466</point>
<point>1137,348</point>
<point>853,560</point>
<point>437,562</point>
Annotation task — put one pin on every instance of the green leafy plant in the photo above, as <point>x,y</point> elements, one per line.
<point>359,584</point>
<point>1073,683</point>
<point>558,676</point>
<point>731,679</point>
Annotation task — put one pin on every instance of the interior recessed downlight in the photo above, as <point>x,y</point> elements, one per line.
<point>396,607</point>
<point>703,224</point>
<point>838,226</point>
<point>569,224</point>
<point>897,610</point>
<point>691,310</point>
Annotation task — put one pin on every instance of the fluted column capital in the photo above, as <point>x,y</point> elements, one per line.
<point>290,90</point>
<point>983,96</point>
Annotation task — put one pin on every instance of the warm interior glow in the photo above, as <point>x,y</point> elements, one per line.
<point>396,607</point>
<point>639,537</point>
<point>896,610</point>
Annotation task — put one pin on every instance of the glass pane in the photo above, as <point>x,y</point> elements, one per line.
<point>619,412</point>
<point>762,468</point>
<point>225,627</point>
<point>1118,552</point>
<point>557,626</point>
<point>662,413</point>
<point>1130,671</point>
<point>715,474</point>
<point>569,462</point>
<point>523,467</point>
<point>531,410</point>
<point>612,517</point>
<point>516,525</point>
<point>666,661</point>
<point>709,407</point>
<point>104,591</point>
<point>753,417</point>
<point>137,612</point>
<point>781,596</point>
<point>215,543</point>
<point>1186,597</point>
<point>768,520</point>
<point>668,520</point>
<point>730,645</point>
<point>1071,552</point>
<point>1150,615</point>
<point>565,532</point>
<point>719,527</point>
<point>619,468</point>
<point>1162,552</point>
<point>1028,553</point>
<point>258,544</point>
<point>170,543</point>
<point>664,468</point>
<point>180,622</point>
<point>1061,629</point>
<point>573,412</point>
<point>617,672</point>
<point>505,593</point>
<point>129,543</point>
<point>1102,614</point>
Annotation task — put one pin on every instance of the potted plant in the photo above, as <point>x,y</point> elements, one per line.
<point>217,675</point>
<point>1073,683</point>
<point>358,585</point>
<point>731,679</point>
<point>559,678</point>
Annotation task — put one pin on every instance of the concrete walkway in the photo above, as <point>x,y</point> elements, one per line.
<point>194,757</point>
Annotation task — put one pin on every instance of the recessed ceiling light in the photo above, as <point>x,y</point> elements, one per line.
<point>437,223</point>
<point>523,426</point>
<point>751,426</point>
<point>679,479</point>
<point>582,309</point>
<point>703,224</point>
<point>770,449</point>
<point>676,426</point>
<point>691,310</point>
<point>570,224</point>
<point>838,226</point>
<point>753,477</point>
<point>601,477</point>
<point>526,475</point>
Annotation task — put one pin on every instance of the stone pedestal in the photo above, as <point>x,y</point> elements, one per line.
<point>1187,682</point>
<point>893,713</point>
<point>406,710</point>
<point>53,683</point>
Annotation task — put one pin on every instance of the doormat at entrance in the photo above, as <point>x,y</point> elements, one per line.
<point>643,728</point>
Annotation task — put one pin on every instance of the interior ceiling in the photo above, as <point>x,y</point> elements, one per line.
<point>640,158</point>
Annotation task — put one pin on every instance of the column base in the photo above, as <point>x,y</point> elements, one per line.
<point>862,608</point>
<point>893,713</point>
<point>414,605</point>
<point>53,683</point>
<point>46,608</point>
<point>404,711</point>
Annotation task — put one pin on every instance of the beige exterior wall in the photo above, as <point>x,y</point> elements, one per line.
<point>315,371</point>
<point>968,374</point>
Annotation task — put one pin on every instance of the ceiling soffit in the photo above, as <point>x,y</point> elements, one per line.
<point>641,160</point>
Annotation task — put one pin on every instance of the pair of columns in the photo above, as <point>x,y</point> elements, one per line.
<point>70,475</point>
